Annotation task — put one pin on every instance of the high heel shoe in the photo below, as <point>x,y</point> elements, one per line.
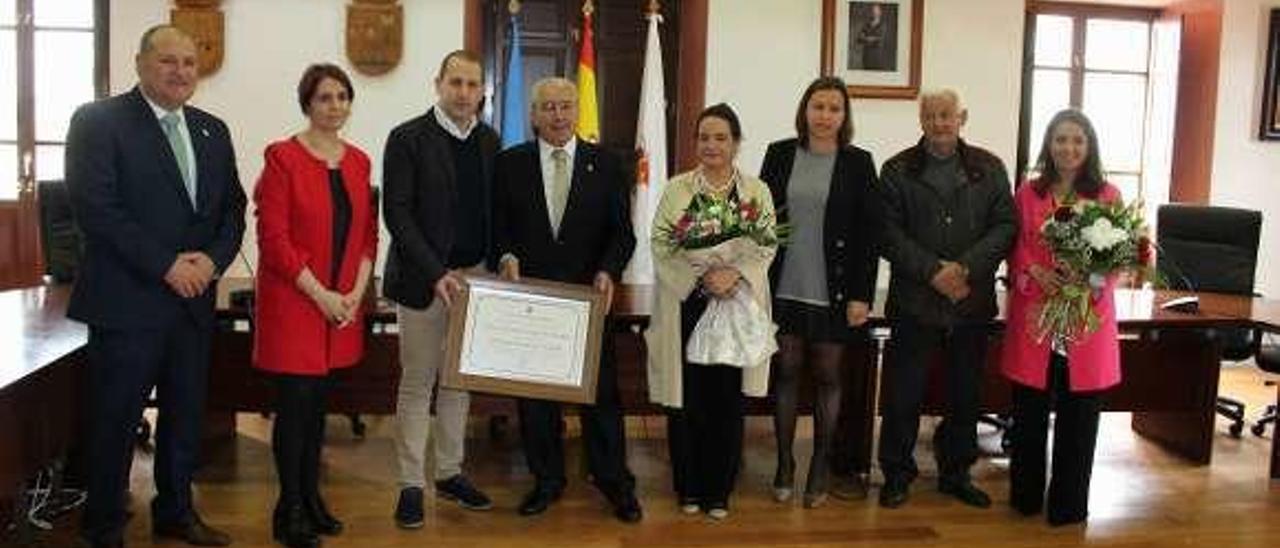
<point>784,480</point>
<point>815,489</point>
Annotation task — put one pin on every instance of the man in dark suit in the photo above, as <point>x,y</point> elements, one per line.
<point>154,188</point>
<point>437,172</point>
<point>561,212</point>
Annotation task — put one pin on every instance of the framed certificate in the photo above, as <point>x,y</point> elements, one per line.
<point>531,339</point>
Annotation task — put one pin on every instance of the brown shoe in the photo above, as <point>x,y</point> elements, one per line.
<point>194,532</point>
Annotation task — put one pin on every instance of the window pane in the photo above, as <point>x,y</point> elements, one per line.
<point>8,86</point>
<point>1050,92</point>
<point>64,79</point>
<point>1053,41</point>
<point>8,12</point>
<point>8,172</point>
<point>1116,45</point>
<point>1128,183</point>
<point>49,162</point>
<point>1116,103</point>
<point>64,13</point>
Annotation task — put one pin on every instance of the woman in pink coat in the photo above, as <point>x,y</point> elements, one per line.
<point>1071,377</point>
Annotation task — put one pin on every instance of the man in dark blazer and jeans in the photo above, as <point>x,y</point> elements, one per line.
<point>154,189</point>
<point>561,212</point>
<point>437,174</point>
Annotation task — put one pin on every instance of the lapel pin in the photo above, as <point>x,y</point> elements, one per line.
<point>591,168</point>
<point>204,131</point>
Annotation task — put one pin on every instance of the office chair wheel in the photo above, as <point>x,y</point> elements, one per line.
<point>1235,429</point>
<point>1258,429</point>
<point>358,428</point>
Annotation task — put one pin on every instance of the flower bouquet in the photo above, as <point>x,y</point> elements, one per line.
<point>1090,241</point>
<point>714,232</point>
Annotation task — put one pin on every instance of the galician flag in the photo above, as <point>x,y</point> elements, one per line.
<point>651,156</point>
<point>588,127</point>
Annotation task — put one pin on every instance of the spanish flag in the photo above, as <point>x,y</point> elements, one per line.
<point>588,111</point>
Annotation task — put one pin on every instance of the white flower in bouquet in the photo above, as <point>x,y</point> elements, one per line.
<point>1102,235</point>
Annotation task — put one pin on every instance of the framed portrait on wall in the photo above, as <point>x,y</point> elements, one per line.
<point>1269,128</point>
<point>874,45</point>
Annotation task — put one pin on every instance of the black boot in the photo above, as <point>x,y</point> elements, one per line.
<point>322,522</point>
<point>291,528</point>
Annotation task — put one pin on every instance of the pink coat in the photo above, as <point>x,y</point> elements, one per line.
<point>1093,363</point>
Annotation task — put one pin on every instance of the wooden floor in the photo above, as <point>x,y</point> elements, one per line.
<point>1141,496</point>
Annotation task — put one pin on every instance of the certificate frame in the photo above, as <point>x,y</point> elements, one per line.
<point>535,292</point>
<point>896,72</point>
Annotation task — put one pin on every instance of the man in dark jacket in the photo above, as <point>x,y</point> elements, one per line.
<point>948,223</point>
<point>437,173</point>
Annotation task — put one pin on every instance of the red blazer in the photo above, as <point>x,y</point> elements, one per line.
<point>1093,363</point>
<point>295,230</point>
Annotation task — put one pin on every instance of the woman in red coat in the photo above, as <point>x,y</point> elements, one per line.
<point>317,237</point>
<point>1074,376</point>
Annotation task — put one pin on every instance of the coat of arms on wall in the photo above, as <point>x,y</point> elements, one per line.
<point>375,35</point>
<point>202,20</point>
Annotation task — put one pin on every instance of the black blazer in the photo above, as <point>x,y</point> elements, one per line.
<point>419,184</point>
<point>133,208</point>
<point>595,233</point>
<point>849,224</point>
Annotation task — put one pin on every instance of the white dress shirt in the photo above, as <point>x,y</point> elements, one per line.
<point>446,122</point>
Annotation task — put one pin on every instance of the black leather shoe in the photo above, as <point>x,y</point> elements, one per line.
<point>1057,519</point>
<point>626,507</point>
<point>538,500</point>
<point>322,522</point>
<point>851,487</point>
<point>194,532</point>
<point>85,543</point>
<point>966,492</point>
<point>291,528</point>
<point>894,493</point>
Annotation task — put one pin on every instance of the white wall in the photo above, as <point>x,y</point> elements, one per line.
<point>762,53</point>
<point>269,43</point>
<point>1244,168</point>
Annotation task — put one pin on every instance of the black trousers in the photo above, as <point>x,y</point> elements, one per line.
<point>542,434</point>
<point>906,369</point>
<point>124,365</point>
<point>297,435</point>
<point>1075,434</point>
<point>705,437</point>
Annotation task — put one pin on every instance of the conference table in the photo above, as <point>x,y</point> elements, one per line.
<point>1170,363</point>
<point>42,364</point>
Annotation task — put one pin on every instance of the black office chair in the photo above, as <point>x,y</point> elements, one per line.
<point>1268,359</point>
<point>59,235</point>
<point>1204,248</point>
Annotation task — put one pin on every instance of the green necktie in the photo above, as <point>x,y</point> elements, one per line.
<point>559,187</point>
<point>178,143</point>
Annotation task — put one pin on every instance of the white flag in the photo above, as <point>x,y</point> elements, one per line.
<point>651,156</point>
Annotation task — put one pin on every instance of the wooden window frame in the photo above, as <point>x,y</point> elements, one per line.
<point>1080,13</point>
